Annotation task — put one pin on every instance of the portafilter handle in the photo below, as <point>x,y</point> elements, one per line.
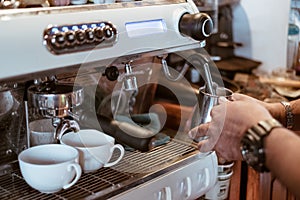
<point>64,126</point>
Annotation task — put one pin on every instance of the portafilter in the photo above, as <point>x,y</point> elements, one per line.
<point>57,102</point>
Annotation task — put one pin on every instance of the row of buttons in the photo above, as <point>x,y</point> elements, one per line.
<point>71,38</point>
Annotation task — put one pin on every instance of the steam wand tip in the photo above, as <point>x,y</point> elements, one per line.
<point>209,83</point>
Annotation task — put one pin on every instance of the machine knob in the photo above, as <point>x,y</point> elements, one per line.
<point>198,26</point>
<point>80,35</point>
<point>70,37</point>
<point>89,34</point>
<point>108,32</point>
<point>112,73</point>
<point>99,33</point>
<point>58,40</point>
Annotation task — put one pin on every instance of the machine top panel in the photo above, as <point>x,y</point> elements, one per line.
<point>5,13</point>
<point>35,40</point>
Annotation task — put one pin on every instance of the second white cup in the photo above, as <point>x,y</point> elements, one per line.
<point>95,148</point>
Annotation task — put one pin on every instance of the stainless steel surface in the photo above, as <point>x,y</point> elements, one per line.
<point>64,126</point>
<point>206,102</point>
<point>209,83</point>
<point>135,168</point>
<point>55,100</point>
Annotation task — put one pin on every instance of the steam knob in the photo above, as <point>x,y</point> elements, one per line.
<point>80,35</point>
<point>112,73</point>
<point>58,40</point>
<point>108,32</point>
<point>70,37</point>
<point>89,34</point>
<point>198,26</point>
<point>99,33</point>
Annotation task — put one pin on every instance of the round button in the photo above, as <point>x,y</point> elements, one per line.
<point>99,33</point>
<point>70,37</point>
<point>80,35</point>
<point>89,34</point>
<point>108,32</point>
<point>58,40</point>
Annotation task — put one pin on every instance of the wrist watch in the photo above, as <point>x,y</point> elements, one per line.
<point>288,114</point>
<point>252,144</point>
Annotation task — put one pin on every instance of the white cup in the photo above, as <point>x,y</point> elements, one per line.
<point>221,189</point>
<point>224,169</point>
<point>109,1</point>
<point>41,132</point>
<point>95,148</point>
<point>78,2</point>
<point>51,167</point>
<point>103,1</point>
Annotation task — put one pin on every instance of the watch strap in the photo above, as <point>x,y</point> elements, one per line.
<point>252,144</point>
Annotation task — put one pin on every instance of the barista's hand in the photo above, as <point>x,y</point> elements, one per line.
<point>230,120</point>
<point>275,109</point>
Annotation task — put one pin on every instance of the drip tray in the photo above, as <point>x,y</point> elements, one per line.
<point>133,169</point>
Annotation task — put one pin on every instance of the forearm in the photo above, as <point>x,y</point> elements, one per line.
<point>283,157</point>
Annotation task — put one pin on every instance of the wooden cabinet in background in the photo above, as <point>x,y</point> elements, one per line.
<point>264,187</point>
<point>258,186</point>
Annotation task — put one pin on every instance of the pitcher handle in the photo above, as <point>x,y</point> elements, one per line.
<point>122,151</point>
<point>78,174</point>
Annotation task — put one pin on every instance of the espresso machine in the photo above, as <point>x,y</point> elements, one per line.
<point>107,67</point>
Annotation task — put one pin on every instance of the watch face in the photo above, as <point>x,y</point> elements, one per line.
<point>253,154</point>
<point>250,153</point>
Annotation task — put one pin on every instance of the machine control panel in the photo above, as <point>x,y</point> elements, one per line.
<point>79,37</point>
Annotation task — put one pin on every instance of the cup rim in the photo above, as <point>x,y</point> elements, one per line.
<point>28,150</point>
<point>111,140</point>
<point>201,90</point>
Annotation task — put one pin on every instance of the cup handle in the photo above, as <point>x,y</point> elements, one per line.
<point>121,148</point>
<point>78,174</point>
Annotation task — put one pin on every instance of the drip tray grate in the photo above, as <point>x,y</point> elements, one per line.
<point>131,168</point>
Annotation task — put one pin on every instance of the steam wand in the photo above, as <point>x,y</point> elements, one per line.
<point>197,60</point>
<point>129,85</point>
<point>209,83</point>
<point>168,74</point>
